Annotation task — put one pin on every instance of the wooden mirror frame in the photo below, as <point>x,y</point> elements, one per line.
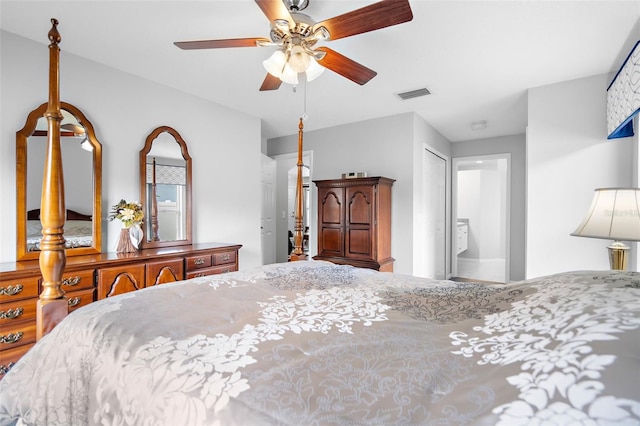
<point>22,137</point>
<point>143,185</point>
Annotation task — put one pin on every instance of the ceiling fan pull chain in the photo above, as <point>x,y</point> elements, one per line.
<point>304,109</point>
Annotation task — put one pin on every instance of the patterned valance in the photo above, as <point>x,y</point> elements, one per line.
<point>168,175</point>
<point>623,97</point>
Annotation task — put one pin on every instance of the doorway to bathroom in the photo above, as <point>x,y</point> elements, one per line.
<point>480,211</point>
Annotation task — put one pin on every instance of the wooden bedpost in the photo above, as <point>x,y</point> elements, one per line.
<point>298,253</point>
<point>52,306</point>
<point>154,204</point>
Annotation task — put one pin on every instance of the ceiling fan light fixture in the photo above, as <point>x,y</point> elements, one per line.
<point>289,75</point>
<point>321,33</point>
<point>299,59</point>
<point>315,70</point>
<point>275,64</point>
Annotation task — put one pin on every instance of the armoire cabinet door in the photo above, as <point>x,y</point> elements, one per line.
<point>360,222</point>
<point>331,222</point>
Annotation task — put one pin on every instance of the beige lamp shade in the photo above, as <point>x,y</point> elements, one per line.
<point>614,214</point>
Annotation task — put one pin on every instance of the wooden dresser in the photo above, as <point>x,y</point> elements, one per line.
<point>93,277</point>
<point>354,222</point>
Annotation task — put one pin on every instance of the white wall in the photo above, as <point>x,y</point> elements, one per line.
<point>380,147</point>
<point>568,157</point>
<point>224,144</point>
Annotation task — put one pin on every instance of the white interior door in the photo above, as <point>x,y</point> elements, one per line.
<point>435,214</point>
<point>268,211</point>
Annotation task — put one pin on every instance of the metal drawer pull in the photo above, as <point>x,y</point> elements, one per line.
<point>11,313</point>
<point>71,281</point>
<point>74,301</point>
<point>11,290</point>
<point>202,274</point>
<point>225,270</point>
<point>4,369</point>
<point>11,337</point>
<point>226,257</point>
<point>199,261</point>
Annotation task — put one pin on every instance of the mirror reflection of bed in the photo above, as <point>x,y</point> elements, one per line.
<point>78,229</point>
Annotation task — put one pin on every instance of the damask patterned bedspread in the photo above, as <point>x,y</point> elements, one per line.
<point>311,343</point>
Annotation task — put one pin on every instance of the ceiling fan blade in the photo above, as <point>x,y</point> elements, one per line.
<point>345,67</point>
<point>270,83</point>
<point>275,9</point>
<point>221,43</point>
<point>383,14</point>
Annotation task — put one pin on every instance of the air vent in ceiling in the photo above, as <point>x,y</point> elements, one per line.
<point>413,94</point>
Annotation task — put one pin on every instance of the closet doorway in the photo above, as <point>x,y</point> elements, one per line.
<point>480,212</point>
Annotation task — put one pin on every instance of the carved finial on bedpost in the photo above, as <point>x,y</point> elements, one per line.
<point>52,306</point>
<point>298,253</point>
<point>54,35</point>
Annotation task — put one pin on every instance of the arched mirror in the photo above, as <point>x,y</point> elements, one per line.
<point>165,189</point>
<point>82,165</point>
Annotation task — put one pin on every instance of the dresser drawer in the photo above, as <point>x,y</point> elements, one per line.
<point>17,334</point>
<point>120,279</point>
<point>211,271</point>
<point>12,312</point>
<point>164,271</point>
<point>197,262</point>
<point>77,299</point>
<point>25,288</point>
<point>10,356</point>
<point>77,280</point>
<point>224,258</point>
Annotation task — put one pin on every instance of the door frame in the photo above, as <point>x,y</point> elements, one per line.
<point>283,163</point>
<point>454,208</point>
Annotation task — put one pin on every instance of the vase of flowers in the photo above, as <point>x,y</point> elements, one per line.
<point>131,216</point>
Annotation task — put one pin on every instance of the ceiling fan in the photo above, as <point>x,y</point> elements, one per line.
<point>296,35</point>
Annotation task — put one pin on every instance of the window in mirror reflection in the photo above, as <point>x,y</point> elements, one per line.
<point>166,184</point>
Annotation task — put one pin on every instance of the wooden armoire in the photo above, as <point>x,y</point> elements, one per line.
<point>354,222</point>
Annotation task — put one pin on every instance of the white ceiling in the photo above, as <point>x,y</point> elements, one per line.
<point>476,57</point>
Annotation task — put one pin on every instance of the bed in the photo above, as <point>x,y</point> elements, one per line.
<point>78,230</point>
<point>312,343</point>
